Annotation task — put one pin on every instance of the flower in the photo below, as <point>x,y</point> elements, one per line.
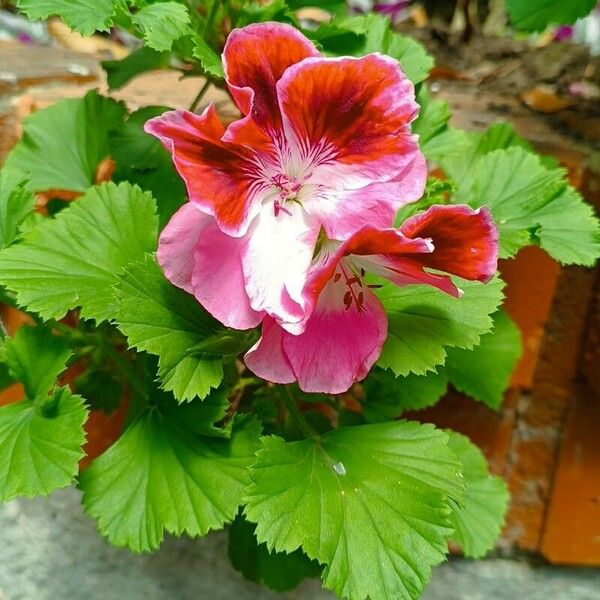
<point>324,143</point>
<point>344,333</point>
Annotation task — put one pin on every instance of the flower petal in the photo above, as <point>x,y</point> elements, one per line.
<point>196,256</point>
<point>338,347</point>
<point>349,119</point>
<point>339,344</point>
<point>177,243</point>
<point>375,205</point>
<point>255,57</point>
<point>218,279</point>
<point>266,358</point>
<point>276,259</point>
<point>223,179</point>
<point>465,240</point>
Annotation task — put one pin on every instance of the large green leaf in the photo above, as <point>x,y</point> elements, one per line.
<point>36,358</point>
<point>568,229</point>
<point>478,522</point>
<point>74,259</point>
<point>432,120</point>
<point>277,570</point>
<point>536,15</point>
<point>370,502</point>
<point>84,16</point>
<point>209,59</point>
<point>532,203</point>
<point>40,450</point>
<point>484,372</point>
<point>161,475</point>
<point>141,159</point>
<point>161,319</point>
<point>63,144</point>
<point>120,72</point>
<point>41,437</point>
<point>162,23</point>
<point>360,35</point>
<point>388,396</point>
<point>423,322</point>
<point>16,204</point>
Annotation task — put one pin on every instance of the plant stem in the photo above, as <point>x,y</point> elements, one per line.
<point>296,414</point>
<point>125,369</point>
<point>211,17</point>
<point>196,101</point>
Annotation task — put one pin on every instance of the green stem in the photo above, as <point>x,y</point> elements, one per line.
<point>196,101</point>
<point>296,414</point>
<point>125,369</point>
<point>211,17</point>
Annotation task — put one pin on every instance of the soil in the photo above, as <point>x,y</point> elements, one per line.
<point>503,67</point>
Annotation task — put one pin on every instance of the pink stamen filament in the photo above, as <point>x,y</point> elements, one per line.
<point>289,186</point>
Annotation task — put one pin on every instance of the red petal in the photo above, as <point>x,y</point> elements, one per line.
<point>255,58</point>
<point>353,115</point>
<point>221,178</point>
<point>465,240</point>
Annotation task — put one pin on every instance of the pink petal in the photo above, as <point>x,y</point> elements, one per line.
<point>465,240</point>
<point>349,119</point>
<point>255,58</point>
<point>196,256</point>
<point>345,212</point>
<point>218,279</point>
<point>266,358</point>
<point>177,243</point>
<point>338,347</point>
<point>276,259</point>
<point>222,178</point>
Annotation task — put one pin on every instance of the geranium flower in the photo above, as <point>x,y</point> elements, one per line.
<point>344,334</point>
<point>324,143</point>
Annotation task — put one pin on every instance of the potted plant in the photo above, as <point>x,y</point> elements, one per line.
<point>263,300</point>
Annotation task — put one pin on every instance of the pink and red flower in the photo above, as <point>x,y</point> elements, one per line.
<point>323,143</point>
<point>291,206</point>
<point>343,335</point>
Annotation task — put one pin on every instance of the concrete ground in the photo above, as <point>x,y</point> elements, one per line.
<point>49,550</point>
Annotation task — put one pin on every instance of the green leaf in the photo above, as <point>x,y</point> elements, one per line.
<point>432,120</point>
<point>202,416</point>
<point>165,321</point>
<point>63,144</point>
<point>209,59</point>
<point>387,396</point>
<point>536,15</point>
<point>142,60</point>
<point>484,372</point>
<point>422,322</point>
<point>84,16</point>
<point>277,570</point>
<point>16,204</point>
<point>259,12</point>
<point>379,37</point>
<point>521,193</point>
<point>162,476</point>
<point>36,358</point>
<point>370,502</point>
<point>40,452</point>
<point>141,159</point>
<point>74,259</point>
<point>456,151</point>
<point>363,34</point>
<point>477,524</point>
<point>162,23</point>
<point>569,230</point>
